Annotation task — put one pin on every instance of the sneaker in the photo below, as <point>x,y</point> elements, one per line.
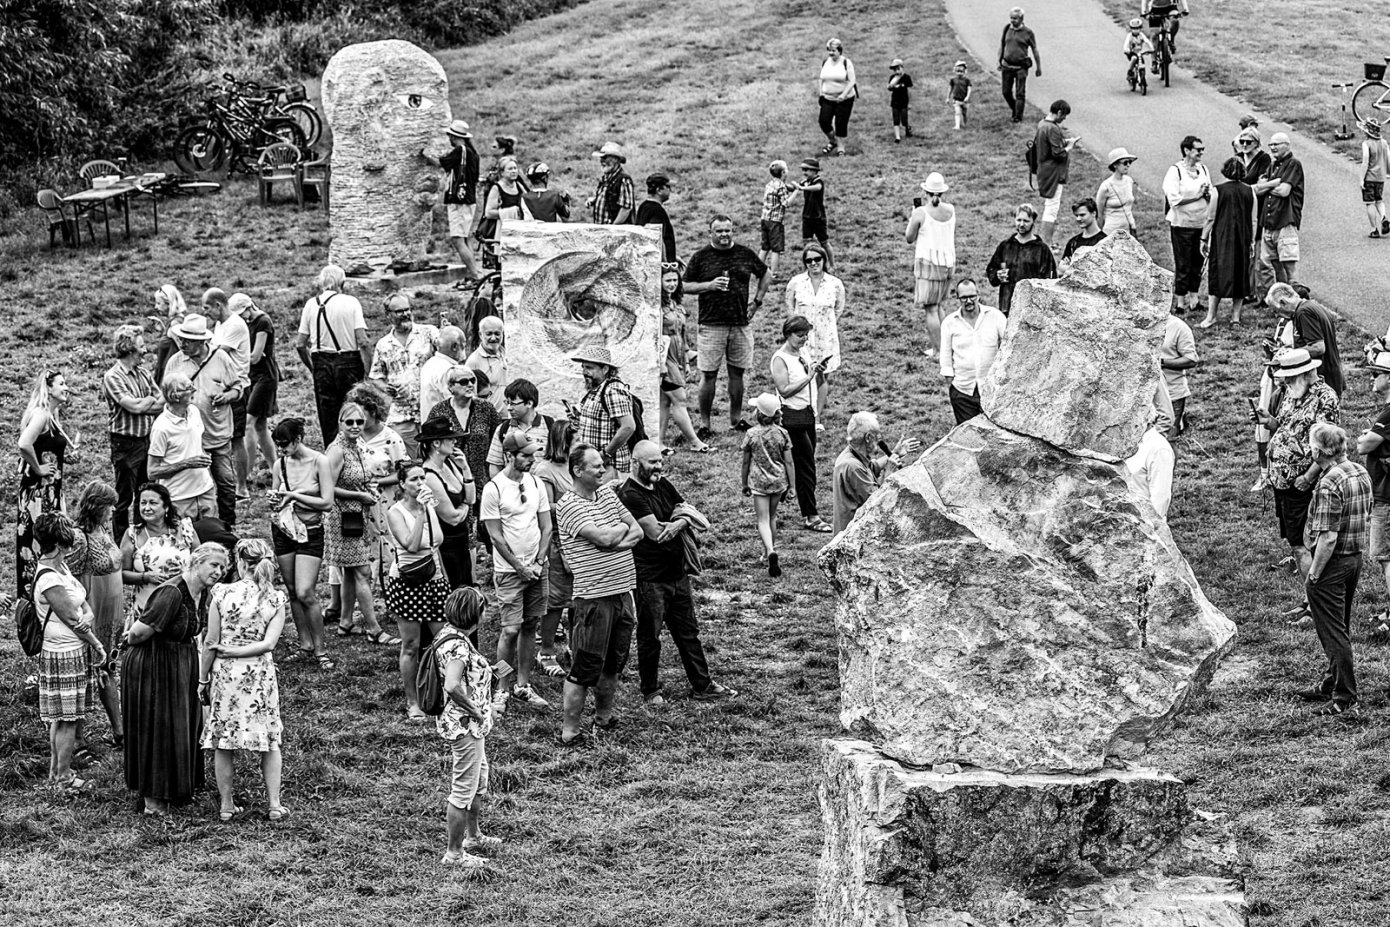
<point>1261,482</point>
<point>463,860</point>
<point>528,695</point>
<point>1385,226</point>
<point>1312,695</point>
<point>774,568</point>
<point>499,703</point>
<point>714,693</point>
<point>482,842</point>
<point>654,699</point>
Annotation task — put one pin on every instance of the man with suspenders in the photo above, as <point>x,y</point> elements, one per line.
<point>332,343</point>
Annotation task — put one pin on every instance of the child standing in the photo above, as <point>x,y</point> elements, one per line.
<point>1375,163</point>
<point>464,724</point>
<point>814,224</point>
<point>768,471</point>
<point>899,84</point>
<point>959,94</point>
<point>776,195</point>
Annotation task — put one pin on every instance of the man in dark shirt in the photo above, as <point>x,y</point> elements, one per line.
<point>1313,330</point>
<point>719,274</point>
<point>663,585</point>
<point>545,204</point>
<point>1374,445</point>
<point>461,194</point>
<point>1014,46</point>
<point>652,211</point>
<point>1090,235</point>
<point>1021,256</point>
<point>1282,189</point>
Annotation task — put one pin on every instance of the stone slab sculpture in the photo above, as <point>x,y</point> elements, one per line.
<point>1067,371</point>
<point>387,104</point>
<point>565,285</point>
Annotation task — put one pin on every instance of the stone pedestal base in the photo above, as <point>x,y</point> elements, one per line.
<point>1115,848</point>
<point>384,283</point>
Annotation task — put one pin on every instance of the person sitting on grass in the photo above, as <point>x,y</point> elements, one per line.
<point>768,472</point>
<point>464,724</point>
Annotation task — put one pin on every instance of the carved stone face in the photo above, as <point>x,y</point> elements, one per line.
<point>386,102</point>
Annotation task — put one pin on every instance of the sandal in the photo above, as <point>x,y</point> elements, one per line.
<point>278,814</point>
<point>483,842</point>
<point>225,816</point>
<point>828,149</point>
<point>549,665</point>
<point>818,525</point>
<point>416,715</point>
<point>350,632</point>
<point>463,860</point>
<point>576,742</point>
<point>384,638</point>
<point>325,662</point>
<point>704,449</point>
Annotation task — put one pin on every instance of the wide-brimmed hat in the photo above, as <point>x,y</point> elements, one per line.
<point>1117,155</point>
<point>439,428</point>
<point>593,354</point>
<point>458,129</point>
<point>767,404</point>
<point>935,183</point>
<point>1294,362</point>
<point>518,441</point>
<point>611,150</point>
<point>1378,362</point>
<point>194,327</point>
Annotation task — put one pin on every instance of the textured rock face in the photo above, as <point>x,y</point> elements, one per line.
<point>568,285</point>
<point>912,848</point>
<point>386,102</point>
<point>1067,372</point>
<point>1006,605</point>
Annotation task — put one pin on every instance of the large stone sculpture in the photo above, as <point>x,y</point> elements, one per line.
<point>1016,624</point>
<point>566,285</point>
<point>387,103</point>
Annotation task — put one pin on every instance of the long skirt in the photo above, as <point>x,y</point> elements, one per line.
<point>163,720</point>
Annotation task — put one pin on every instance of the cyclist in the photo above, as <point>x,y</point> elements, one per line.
<point>1136,46</point>
<point>1157,12</point>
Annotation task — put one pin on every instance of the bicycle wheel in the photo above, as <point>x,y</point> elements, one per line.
<point>280,129</point>
<point>200,150</point>
<point>1163,61</point>
<point>1371,102</point>
<point>308,119</point>
<point>1143,83</point>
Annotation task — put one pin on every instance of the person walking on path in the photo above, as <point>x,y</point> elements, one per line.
<point>1015,45</point>
<point>1187,188</point>
<point>614,197</point>
<point>1228,240</point>
<point>1115,196</point>
<point>1282,188</point>
<point>1053,147</point>
<point>837,90</point>
<point>970,339</point>
<point>1375,163</point>
<point>899,99</point>
<point>794,375</point>
<point>332,344</point>
<point>1021,256</point>
<point>932,229</point>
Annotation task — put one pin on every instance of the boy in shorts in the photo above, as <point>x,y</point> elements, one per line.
<point>959,94</point>
<point>814,224</point>
<point>1375,163</point>
<point>776,195</point>
<point>899,97</point>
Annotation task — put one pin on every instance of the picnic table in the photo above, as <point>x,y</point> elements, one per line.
<point>85,202</point>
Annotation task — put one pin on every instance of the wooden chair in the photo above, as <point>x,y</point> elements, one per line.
<point>314,174</point>
<point>51,203</point>
<point>278,163</point>
<point>94,169</point>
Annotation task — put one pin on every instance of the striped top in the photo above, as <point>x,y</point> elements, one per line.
<point>597,571</point>
<point>119,383</point>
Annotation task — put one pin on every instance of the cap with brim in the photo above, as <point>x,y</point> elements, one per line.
<point>194,327</point>
<point>518,441</point>
<point>935,183</point>
<point>1380,362</point>
<point>593,354</point>
<point>1248,119</point>
<point>658,180</point>
<point>895,63</point>
<point>1117,155</point>
<point>239,303</point>
<point>766,403</point>
<point>1295,362</point>
<point>459,129</point>
<point>811,163</point>
<point>439,428</point>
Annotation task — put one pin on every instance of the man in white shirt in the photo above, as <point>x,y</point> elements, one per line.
<point>490,359</point>
<point>1150,470</point>
<point>1177,356</point>
<point>332,343</point>
<point>176,456</point>
<point>232,336</point>
<point>970,339</point>
<point>434,373</point>
<point>396,364</point>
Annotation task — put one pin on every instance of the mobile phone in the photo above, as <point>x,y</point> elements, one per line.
<point>916,201</point>
<point>1254,409</point>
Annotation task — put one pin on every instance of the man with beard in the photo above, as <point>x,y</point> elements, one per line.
<point>396,364</point>
<point>1021,256</point>
<point>663,585</point>
<point>604,417</point>
<point>491,360</point>
<point>515,510</point>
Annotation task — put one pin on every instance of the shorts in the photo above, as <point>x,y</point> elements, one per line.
<point>1052,206</point>
<point>520,603</point>
<point>899,115</point>
<point>815,227</point>
<point>933,283</point>
<point>195,507</point>
<point>774,236</point>
<point>285,546</point>
<point>559,584</point>
<point>1372,191</point>
<point>721,344</point>
<point>260,398</point>
<point>67,685</point>
<point>1279,244</point>
<point>1380,532</point>
<point>460,220</point>
<point>239,418</point>
<point>601,637</point>
<point>468,778</point>
<point>669,386</point>
<point>1291,508</point>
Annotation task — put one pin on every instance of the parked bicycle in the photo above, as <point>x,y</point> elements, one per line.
<point>290,100</point>
<point>233,131</point>
<point>1371,101</point>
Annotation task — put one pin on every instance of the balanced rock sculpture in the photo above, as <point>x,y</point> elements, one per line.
<point>387,104</point>
<point>1016,624</point>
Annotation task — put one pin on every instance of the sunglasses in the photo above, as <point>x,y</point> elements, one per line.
<point>1199,150</point>
<point>968,299</point>
<point>469,380</point>
<point>354,421</point>
<point>282,443</point>
<point>521,488</point>
<point>813,260</point>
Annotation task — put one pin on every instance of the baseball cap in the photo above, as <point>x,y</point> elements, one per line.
<point>518,442</point>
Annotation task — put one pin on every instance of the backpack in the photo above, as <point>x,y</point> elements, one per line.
<point>27,626</point>
<point>506,426</point>
<point>429,681</point>
<point>639,431</point>
<point>1030,157</point>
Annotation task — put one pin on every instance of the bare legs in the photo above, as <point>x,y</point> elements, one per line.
<point>62,743</point>
<point>301,574</point>
<point>574,699</point>
<point>709,380</point>
<point>410,658</point>
<point>674,409</point>
<point>224,765</point>
<point>462,823</point>
<point>357,587</point>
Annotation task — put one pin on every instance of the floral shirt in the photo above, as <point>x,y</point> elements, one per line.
<point>453,722</point>
<point>398,366</point>
<point>1289,454</point>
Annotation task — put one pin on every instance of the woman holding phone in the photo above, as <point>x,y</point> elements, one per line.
<point>795,376</point>
<point>819,297</point>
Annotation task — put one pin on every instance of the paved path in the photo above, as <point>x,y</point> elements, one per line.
<point>1081,58</point>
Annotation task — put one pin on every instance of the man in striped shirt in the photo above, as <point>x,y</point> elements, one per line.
<point>597,535</point>
<point>134,400</point>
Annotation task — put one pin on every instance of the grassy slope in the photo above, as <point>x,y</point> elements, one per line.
<point>693,816</point>
<point>1282,55</point>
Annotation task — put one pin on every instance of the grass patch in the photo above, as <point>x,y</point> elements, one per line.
<point>701,816</point>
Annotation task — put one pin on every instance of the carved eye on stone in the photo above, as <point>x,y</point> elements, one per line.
<point>415,100</point>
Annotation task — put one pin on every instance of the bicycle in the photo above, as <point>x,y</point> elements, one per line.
<point>1163,47</point>
<point>1371,101</point>
<point>233,131</point>
<point>1138,76</point>
<point>290,101</point>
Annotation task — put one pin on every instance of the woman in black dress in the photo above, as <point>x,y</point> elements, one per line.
<point>1227,242</point>
<point>159,673</point>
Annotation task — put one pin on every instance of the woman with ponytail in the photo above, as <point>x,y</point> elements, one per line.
<point>237,681</point>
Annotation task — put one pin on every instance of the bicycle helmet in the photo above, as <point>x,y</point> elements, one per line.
<point>1136,23</point>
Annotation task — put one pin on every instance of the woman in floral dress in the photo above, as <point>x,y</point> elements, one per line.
<point>43,445</point>
<point>157,545</point>
<point>237,681</point>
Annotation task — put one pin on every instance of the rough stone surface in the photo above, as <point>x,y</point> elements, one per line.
<point>386,103</point>
<point>1006,605</point>
<point>568,285</point>
<point>1070,370</point>
<point>913,848</point>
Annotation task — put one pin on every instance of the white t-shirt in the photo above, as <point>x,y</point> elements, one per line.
<point>502,501</point>
<point>57,636</point>
<point>176,440</point>
<point>236,338</point>
<point>342,317</point>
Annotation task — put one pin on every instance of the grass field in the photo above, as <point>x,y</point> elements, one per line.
<point>698,816</point>
<point>1282,55</point>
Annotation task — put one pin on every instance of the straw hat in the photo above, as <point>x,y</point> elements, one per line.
<point>1295,362</point>
<point>935,183</point>
<point>1118,154</point>
<point>593,354</point>
<point>194,327</point>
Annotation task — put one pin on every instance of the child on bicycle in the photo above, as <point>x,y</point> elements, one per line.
<point>1137,44</point>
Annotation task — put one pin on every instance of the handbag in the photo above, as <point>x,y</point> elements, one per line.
<point>418,572</point>
<point>353,524</point>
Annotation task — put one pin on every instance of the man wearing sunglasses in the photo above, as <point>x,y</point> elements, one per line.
<point>970,339</point>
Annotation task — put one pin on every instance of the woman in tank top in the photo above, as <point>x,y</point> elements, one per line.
<point>505,200</point>
<point>301,491</point>
<point>932,228</point>
<point>795,374</point>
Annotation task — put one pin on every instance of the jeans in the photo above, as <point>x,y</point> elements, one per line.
<point>964,406</point>
<point>128,460</point>
<point>334,374</point>
<point>671,604</point>
<point>1330,600</point>
<point>1014,83</point>
<point>224,478</point>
